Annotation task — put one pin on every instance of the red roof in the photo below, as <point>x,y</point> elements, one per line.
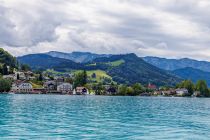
<point>150,86</point>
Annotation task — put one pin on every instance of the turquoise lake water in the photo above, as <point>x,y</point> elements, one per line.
<point>101,117</point>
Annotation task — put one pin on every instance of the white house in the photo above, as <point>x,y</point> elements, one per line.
<point>9,77</point>
<point>22,76</point>
<point>182,92</point>
<point>64,87</point>
<point>22,87</point>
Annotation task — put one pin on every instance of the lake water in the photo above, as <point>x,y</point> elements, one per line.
<point>101,117</point>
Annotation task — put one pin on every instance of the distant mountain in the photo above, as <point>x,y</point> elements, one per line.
<point>126,68</point>
<point>131,69</point>
<point>193,74</point>
<point>80,57</point>
<point>44,61</point>
<point>7,58</point>
<point>174,64</point>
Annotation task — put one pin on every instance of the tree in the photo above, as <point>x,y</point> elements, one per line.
<point>5,85</point>
<point>122,90</point>
<point>18,76</point>
<point>188,84</point>
<point>93,75</point>
<point>25,67</point>
<point>80,79</point>
<point>40,77</point>
<point>84,77</point>
<point>69,80</point>
<point>129,91</point>
<point>137,89</point>
<point>11,70</point>
<point>165,88</point>
<point>1,70</point>
<point>201,86</point>
<point>5,70</point>
<point>99,89</point>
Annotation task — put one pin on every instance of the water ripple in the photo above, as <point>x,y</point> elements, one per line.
<point>100,117</point>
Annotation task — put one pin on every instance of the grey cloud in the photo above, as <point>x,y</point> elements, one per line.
<point>18,28</point>
<point>155,27</point>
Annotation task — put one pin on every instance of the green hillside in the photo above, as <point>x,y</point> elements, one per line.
<point>133,69</point>
<point>125,69</point>
<point>193,74</point>
<point>7,58</point>
<point>44,62</point>
<point>96,76</point>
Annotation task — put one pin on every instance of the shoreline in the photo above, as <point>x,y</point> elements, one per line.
<point>9,93</point>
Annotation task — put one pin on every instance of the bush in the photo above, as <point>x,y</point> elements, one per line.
<point>5,85</point>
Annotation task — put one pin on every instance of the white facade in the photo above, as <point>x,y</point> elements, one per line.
<point>64,87</point>
<point>21,76</point>
<point>9,77</point>
<point>182,92</point>
<point>22,88</point>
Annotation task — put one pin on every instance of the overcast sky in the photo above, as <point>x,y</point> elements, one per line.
<point>164,28</point>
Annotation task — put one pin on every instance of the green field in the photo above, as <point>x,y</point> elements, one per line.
<point>53,71</point>
<point>112,64</point>
<point>116,63</point>
<point>100,75</point>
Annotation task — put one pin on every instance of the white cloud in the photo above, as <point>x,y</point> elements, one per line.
<point>174,28</point>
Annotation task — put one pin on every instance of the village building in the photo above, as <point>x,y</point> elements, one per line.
<point>45,78</point>
<point>169,93</point>
<point>59,80</point>
<point>50,85</point>
<point>9,77</point>
<point>197,94</point>
<point>29,75</point>
<point>81,91</point>
<point>31,78</point>
<point>22,87</point>
<point>67,75</point>
<point>156,93</point>
<point>19,76</point>
<point>182,92</point>
<point>151,86</point>
<point>146,94</point>
<point>111,90</point>
<point>64,88</point>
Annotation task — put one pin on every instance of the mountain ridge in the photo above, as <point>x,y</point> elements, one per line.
<point>193,74</point>
<point>44,61</point>
<point>79,57</point>
<point>118,65</point>
<point>124,68</point>
<point>173,64</point>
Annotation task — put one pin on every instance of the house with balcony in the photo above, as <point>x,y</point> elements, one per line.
<point>65,88</point>
<point>22,87</point>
